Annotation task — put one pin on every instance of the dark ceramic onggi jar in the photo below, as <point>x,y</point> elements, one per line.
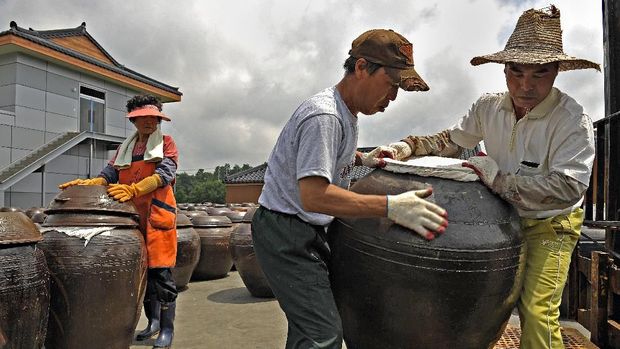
<point>396,290</point>
<point>24,283</point>
<point>188,251</point>
<point>215,259</point>
<point>96,289</point>
<point>244,258</point>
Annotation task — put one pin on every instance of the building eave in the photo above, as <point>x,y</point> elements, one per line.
<point>13,41</point>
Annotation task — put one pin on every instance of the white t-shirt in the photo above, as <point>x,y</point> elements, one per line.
<point>555,136</point>
<point>319,139</point>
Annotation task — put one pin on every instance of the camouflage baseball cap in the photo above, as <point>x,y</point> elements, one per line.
<point>389,49</point>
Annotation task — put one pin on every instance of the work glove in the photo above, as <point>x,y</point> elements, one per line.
<point>401,150</point>
<point>485,167</point>
<point>375,158</point>
<point>126,192</point>
<point>410,210</point>
<point>79,181</point>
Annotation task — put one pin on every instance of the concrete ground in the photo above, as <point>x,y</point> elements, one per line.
<point>221,314</point>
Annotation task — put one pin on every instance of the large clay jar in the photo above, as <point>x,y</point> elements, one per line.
<point>244,258</point>
<point>396,290</point>
<point>96,288</point>
<point>188,251</point>
<point>236,217</point>
<point>215,259</point>
<point>24,284</point>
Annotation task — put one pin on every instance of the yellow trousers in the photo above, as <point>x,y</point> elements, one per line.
<point>550,243</point>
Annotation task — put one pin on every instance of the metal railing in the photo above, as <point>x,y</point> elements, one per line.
<point>601,202</point>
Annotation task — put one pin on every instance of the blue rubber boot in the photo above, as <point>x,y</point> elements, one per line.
<point>166,332</point>
<point>152,309</point>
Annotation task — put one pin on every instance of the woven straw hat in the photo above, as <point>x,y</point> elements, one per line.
<point>537,39</point>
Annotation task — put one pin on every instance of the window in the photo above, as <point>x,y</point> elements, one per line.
<point>92,108</point>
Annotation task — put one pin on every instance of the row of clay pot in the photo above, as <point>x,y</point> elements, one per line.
<point>91,293</point>
<point>205,206</point>
<point>226,241</point>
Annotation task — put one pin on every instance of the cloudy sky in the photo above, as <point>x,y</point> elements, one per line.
<point>244,66</point>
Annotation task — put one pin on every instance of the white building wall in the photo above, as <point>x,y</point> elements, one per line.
<point>39,101</point>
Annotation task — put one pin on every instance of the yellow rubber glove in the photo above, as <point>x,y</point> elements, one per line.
<point>125,192</point>
<point>79,181</point>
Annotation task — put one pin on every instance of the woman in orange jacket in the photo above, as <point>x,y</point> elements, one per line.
<point>143,170</point>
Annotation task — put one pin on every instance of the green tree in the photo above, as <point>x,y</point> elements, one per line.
<point>205,186</point>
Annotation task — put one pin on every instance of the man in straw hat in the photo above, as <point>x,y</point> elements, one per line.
<point>306,180</point>
<point>540,146</point>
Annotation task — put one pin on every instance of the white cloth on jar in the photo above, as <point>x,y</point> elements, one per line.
<point>85,233</point>
<point>433,166</point>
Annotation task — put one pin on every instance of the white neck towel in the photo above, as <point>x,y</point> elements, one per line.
<point>154,149</point>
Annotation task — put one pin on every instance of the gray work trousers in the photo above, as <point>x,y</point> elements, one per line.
<point>293,255</point>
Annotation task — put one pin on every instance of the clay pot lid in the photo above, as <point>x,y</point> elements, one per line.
<point>38,217</point>
<point>249,215</point>
<point>183,221</point>
<point>89,198</point>
<point>218,211</point>
<point>88,219</point>
<point>34,210</point>
<point>235,216</point>
<point>211,221</point>
<point>192,214</point>
<point>17,228</point>
<point>11,209</point>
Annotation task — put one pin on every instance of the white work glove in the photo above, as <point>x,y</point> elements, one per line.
<point>485,167</point>
<point>375,157</point>
<point>401,150</point>
<point>410,210</point>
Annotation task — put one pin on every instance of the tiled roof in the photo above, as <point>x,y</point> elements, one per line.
<point>257,174</point>
<point>43,37</point>
<point>253,175</point>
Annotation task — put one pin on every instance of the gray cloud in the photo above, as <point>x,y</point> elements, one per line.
<point>245,66</point>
